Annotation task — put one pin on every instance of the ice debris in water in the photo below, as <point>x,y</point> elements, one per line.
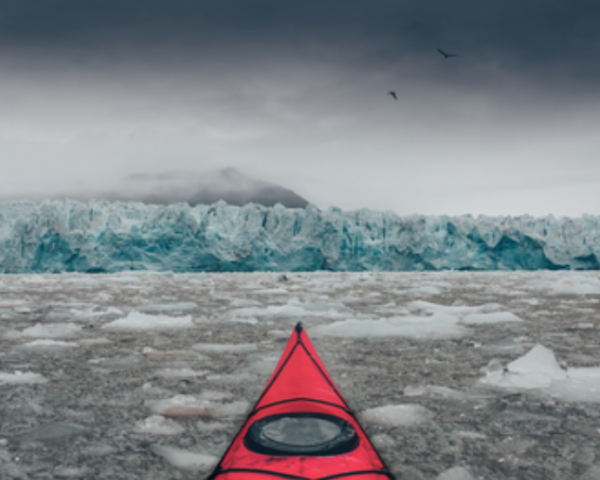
<point>52,432</point>
<point>137,321</point>
<point>225,347</point>
<point>456,473</point>
<point>185,459</point>
<point>158,425</point>
<point>539,371</point>
<point>53,330</point>
<point>208,404</point>
<point>99,236</point>
<point>46,345</point>
<point>405,415</point>
<point>21,378</point>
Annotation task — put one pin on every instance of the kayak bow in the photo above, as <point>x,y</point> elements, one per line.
<point>301,428</point>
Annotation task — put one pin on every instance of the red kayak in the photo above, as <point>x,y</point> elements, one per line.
<point>301,428</point>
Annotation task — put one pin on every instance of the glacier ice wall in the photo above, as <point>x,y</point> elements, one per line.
<point>95,237</point>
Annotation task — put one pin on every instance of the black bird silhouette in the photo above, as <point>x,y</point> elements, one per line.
<point>393,94</point>
<point>447,55</point>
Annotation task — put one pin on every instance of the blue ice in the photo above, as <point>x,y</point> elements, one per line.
<point>97,237</point>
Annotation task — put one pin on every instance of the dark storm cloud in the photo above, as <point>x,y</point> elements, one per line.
<point>545,37</point>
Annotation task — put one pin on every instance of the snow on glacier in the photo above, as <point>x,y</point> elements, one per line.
<point>94,237</point>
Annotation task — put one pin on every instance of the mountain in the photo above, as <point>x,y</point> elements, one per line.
<point>227,184</point>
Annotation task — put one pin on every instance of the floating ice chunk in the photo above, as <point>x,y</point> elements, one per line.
<point>536,369</point>
<point>151,354</point>
<point>158,425</point>
<point>577,285</point>
<point>539,360</point>
<point>405,415</point>
<point>436,326</point>
<point>52,330</point>
<point>470,435</point>
<point>244,303</point>
<point>456,473</point>
<point>485,318</point>
<point>70,472</point>
<point>180,373</point>
<point>225,347</point>
<point>52,432</point>
<point>94,341</point>
<point>11,303</point>
<point>46,345</point>
<point>435,391</point>
<point>186,460</point>
<point>209,427</point>
<point>383,440</point>
<point>20,378</point>
<point>137,321</point>
<point>188,406</point>
<point>167,307</point>
<point>247,320</point>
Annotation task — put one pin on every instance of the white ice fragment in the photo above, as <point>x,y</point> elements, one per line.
<point>20,378</point>
<point>577,285</point>
<point>383,440</point>
<point>405,415</point>
<point>186,460</point>
<point>137,321</point>
<point>46,345</point>
<point>167,307</point>
<point>188,406</point>
<point>70,472</point>
<point>225,347</point>
<point>94,341</point>
<point>437,326</point>
<point>11,303</point>
<point>539,360</point>
<point>486,318</point>
<point>470,435</point>
<point>180,373</point>
<point>456,473</point>
<point>158,425</point>
<point>210,426</point>
<point>52,330</point>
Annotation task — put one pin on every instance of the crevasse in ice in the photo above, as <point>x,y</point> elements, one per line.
<point>58,236</point>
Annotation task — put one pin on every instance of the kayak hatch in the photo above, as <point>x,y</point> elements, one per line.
<point>301,428</point>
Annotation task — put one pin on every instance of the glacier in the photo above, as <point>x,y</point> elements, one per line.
<point>107,237</point>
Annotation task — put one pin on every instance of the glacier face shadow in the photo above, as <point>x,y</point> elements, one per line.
<point>104,237</point>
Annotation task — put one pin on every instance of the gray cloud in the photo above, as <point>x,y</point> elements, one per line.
<point>294,93</point>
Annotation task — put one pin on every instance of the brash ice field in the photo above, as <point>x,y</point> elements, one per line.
<point>454,375</point>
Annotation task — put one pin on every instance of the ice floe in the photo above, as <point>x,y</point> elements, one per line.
<point>225,347</point>
<point>487,318</point>
<point>158,425</point>
<point>137,321</point>
<point>404,415</point>
<point>207,404</point>
<point>46,345</point>
<point>52,330</point>
<point>187,460</point>
<point>168,307</point>
<point>438,326</point>
<point>538,371</point>
<point>577,285</point>
<point>19,378</point>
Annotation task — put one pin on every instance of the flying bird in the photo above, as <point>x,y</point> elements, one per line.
<point>393,94</point>
<point>447,55</point>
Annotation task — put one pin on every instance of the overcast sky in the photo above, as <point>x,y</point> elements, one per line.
<point>295,92</point>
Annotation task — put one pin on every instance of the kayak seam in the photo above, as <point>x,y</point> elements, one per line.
<point>297,477</point>
<point>301,399</point>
